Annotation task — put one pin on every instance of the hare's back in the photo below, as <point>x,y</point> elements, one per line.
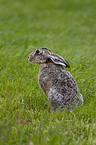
<point>64,81</point>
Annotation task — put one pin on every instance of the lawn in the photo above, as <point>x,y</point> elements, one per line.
<point>68,28</point>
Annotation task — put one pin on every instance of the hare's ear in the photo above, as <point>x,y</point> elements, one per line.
<point>57,59</point>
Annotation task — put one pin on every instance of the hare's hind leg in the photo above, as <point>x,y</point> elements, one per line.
<point>54,99</point>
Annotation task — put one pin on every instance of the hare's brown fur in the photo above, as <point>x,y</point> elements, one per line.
<point>55,81</point>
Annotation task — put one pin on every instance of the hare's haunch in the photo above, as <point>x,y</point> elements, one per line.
<point>55,81</point>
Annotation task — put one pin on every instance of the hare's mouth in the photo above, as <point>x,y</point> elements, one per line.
<point>29,58</point>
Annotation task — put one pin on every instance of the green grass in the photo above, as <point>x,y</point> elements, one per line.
<point>68,28</point>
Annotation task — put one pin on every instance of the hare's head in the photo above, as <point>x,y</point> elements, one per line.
<point>41,55</point>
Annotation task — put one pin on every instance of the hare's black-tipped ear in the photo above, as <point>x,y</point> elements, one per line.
<point>57,59</point>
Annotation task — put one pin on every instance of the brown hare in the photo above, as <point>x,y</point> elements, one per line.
<point>55,81</point>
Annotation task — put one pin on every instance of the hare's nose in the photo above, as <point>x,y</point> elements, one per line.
<point>29,56</point>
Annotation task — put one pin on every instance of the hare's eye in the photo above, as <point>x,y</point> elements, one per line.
<point>37,51</point>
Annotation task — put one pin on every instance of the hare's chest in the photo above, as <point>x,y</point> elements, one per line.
<point>45,82</point>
